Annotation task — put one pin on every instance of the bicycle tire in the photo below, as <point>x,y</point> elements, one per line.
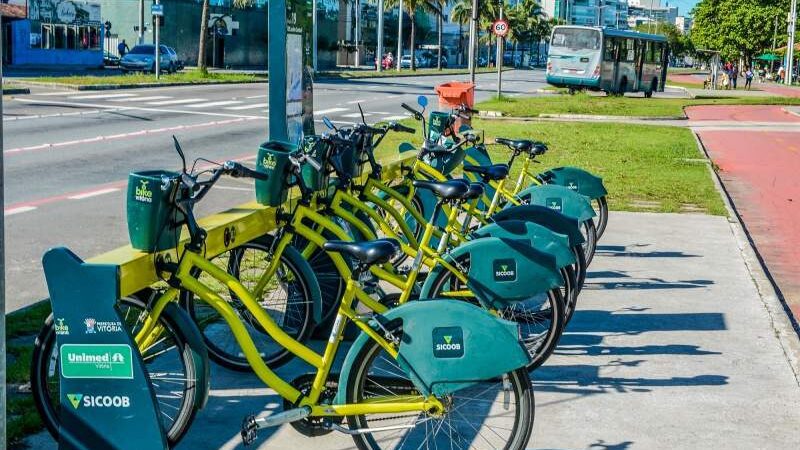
<point>590,233</point>
<point>602,215</point>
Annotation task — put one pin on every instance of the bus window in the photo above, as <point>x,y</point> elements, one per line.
<point>658,52</point>
<point>576,39</point>
<point>610,49</point>
<point>629,52</point>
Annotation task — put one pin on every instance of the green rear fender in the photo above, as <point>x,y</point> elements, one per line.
<point>560,199</point>
<point>575,179</point>
<point>447,345</point>
<point>554,221</point>
<point>478,156</point>
<point>502,271</point>
<point>535,235</point>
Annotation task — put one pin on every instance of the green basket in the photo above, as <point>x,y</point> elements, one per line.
<point>314,179</point>
<point>448,162</point>
<point>438,122</point>
<point>273,159</point>
<point>349,157</point>
<point>152,215</point>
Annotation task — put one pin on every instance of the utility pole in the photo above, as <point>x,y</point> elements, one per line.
<point>141,22</point>
<point>379,50</point>
<point>2,267</point>
<point>499,57</point>
<point>599,12</point>
<point>357,11</point>
<point>473,40</point>
<point>790,46</point>
<point>157,33</point>
<point>400,35</point>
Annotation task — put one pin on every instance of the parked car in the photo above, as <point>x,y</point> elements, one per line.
<point>110,60</point>
<point>430,61</point>
<point>142,59</point>
<point>405,62</point>
<point>177,62</point>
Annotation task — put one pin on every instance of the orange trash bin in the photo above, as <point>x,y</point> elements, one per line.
<point>455,94</point>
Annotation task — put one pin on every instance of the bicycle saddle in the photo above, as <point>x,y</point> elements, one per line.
<point>378,251</point>
<point>494,172</point>
<point>522,145</point>
<point>475,191</point>
<point>448,190</point>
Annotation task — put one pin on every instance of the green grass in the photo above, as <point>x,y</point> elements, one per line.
<point>22,420</point>
<point>28,321</point>
<point>190,76</point>
<point>645,168</point>
<point>617,106</point>
<point>395,73</point>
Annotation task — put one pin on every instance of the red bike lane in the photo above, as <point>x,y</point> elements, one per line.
<point>760,169</point>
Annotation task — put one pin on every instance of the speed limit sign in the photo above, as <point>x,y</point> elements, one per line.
<point>500,27</point>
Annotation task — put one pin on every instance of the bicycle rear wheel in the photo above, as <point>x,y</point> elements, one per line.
<point>170,364</point>
<point>492,414</point>
<point>601,208</point>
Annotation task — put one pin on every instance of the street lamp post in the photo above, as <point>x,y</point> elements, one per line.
<point>790,45</point>
<point>473,38</point>
<point>379,50</point>
<point>400,34</point>
<point>2,268</point>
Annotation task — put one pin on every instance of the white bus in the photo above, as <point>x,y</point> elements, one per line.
<point>605,59</point>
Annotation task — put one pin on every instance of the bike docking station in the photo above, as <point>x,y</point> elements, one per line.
<point>106,398</point>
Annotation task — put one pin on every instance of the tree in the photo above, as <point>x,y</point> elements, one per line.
<point>679,44</point>
<point>524,20</point>
<point>201,48</point>
<point>738,28</point>
<point>411,9</point>
<point>461,14</point>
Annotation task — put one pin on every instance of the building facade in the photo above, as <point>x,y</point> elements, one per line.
<point>605,13</point>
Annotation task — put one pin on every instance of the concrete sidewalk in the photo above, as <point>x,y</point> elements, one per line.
<point>672,347</point>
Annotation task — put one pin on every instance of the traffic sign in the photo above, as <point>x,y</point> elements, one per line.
<point>500,27</point>
<point>157,10</point>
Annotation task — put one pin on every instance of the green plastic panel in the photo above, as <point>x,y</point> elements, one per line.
<point>553,220</point>
<point>559,199</point>
<point>478,156</point>
<point>438,122</point>
<point>150,211</point>
<point>533,234</point>
<point>273,159</point>
<point>448,345</point>
<point>575,179</point>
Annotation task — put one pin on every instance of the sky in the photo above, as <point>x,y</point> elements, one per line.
<point>684,6</point>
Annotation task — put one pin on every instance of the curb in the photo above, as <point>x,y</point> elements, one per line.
<point>110,87</point>
<point>787,110</point>
<point>497,115</point>
<point>685,90</point>
<point>16,91</point>
<point>784,325</point>
<point>404,74</point>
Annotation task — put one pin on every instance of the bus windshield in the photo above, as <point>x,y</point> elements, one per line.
<point>576,39</point>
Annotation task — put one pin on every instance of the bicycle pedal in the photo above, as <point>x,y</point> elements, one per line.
<point>249,430</point>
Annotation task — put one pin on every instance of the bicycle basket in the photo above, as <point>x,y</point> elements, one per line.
<point>438,125</point>
<point>151,212</point>
<point>447,162</point>
<point>273,159</point>
<point>314,179</point>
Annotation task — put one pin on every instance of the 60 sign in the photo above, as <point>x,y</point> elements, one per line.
<point>500,28</point>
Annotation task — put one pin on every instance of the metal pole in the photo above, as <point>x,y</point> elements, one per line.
<point>499,58</point>
<point>157,34</point>
<point>473,40</point>
<point>400,34</point>
<point>2,267</point>
<point>358,31</point>
<point>141,22</point>
<point>774,42</point>
<point>314,35</point>
<point>790,46</point>
<point>599,12</point>
<point>379,50</point>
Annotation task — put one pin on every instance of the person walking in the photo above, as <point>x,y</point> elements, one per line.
<point>734,76</point>
<point>122,48</point>
<point>748,78</point>
<point>781,74</point>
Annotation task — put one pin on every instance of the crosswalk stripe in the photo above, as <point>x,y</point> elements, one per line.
<point>243,107</point>
<point>328,111</point>
<point>395,118</point>
<point>353,115</point>
<point>177,102</point>
<point>212,104</point>
<point>140,99</point>
<point>17,210</point>
<point>99,96</point>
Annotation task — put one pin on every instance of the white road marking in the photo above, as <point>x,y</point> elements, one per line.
<point>256,96</point>
<point>328,111</point>
<point>337,121</point>
<point>355,115</point>
<point>213,104</point>
<point>395,117</point>
<point>93,193</point>
<point>233,188</point>
<point>138,108</point>
<point>177,102</point>
<point>58,93</point>
<point>354,102</point>
<point>99,96</point>
<point>253,106</point>
<point>18,210</point>
<point>141,99</point>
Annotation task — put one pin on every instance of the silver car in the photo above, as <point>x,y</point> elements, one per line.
<point>142,59</point>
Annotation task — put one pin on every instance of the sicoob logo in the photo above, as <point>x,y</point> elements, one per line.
<point>505,270</point>
<point>448,342</point>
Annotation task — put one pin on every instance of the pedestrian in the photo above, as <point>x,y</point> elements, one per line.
<point>748,78</point>
<point>122,48</point>
<point>762,74</point>
<point>726,80</point>
<point>734,75</point>
<point>781,74</point>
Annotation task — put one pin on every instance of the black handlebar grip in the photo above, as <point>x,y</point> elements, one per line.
<point>403,128</point>
<point>410,109</point>
<point>238,170</point>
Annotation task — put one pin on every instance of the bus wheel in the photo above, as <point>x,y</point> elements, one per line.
<point>623,86</point>
<point>572,91</point>
<point>653,88</point>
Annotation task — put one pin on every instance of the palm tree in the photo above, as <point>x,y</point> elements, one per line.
<point>461,14</point>
<point>437,7</point>
<point>411,9</point>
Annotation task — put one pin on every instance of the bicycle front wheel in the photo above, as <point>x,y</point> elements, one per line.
<point>170,364</point>
<point>493,414</point>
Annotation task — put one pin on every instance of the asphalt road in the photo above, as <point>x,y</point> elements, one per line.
<point>68,153</point>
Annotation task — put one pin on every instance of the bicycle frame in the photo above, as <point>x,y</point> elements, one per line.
<point>191,261</point>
